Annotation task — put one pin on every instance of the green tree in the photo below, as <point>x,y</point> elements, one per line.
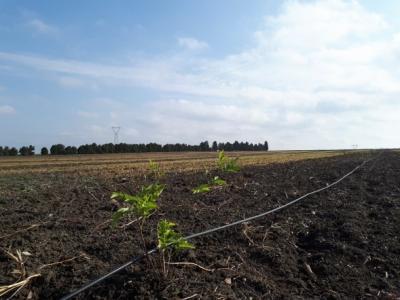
<point>204,146</point>
<point>71,150</point>
<point>44,151</point>
<point>24,151</point>
<point>31,150</point>
<point>58,149</point>
<point>12,151</point>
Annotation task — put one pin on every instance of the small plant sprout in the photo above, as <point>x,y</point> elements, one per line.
<point>168,237</point>
<point>155,169</point>
<point>218,181</point>
<point>202,188</point>
<point>141,204</point>
<point>227,164</point>
<point>206,187</point>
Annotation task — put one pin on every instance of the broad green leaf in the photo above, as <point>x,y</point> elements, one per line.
<point>227,164</point>
<point>167,237</point>
<point>141,204</point>
<point>218,181</point>
<point>119,214</point>
<point>118,195</point>
<point>203,188</point>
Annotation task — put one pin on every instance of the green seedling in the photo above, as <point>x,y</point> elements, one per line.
<point>155,169</point>
<point>206,187</point>
<point>216,181</point>
<point>202,188</point>
<point>141,204</point>
<point>227,164</point>
<point>168,237</point>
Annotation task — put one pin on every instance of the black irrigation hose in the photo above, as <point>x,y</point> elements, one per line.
<point>116,270</point>
<point>139,258</point>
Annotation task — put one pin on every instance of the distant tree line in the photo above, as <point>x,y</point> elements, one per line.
<point>60,149</point>
<point>12,151</point>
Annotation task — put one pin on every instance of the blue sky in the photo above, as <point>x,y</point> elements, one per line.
<point>300,74</point>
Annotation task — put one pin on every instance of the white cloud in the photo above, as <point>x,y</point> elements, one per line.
<point>71,82</point>
<point>87,114</point>
<point>42,27</point>
<point>192,43</point>
<point>6,110</point>
<point>208,112</point>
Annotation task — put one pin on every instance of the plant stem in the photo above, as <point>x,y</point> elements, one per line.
<point>163,261</point>
<point>144,243</point>
<point>141,235</point>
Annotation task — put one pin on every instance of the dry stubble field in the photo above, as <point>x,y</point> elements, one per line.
<point>138,162</point>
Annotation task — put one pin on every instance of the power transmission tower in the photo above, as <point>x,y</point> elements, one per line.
<point>116,131</point>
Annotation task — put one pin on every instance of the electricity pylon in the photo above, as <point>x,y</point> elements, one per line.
<point>116,131</point>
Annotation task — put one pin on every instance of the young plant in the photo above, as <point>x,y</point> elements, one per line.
<point>216,181</point>
<point>202,188</point>
<point>141,204</point>
<point>155,169</point>
<point>168,238</point>
<point>206,187</point>
<point>227,164</point>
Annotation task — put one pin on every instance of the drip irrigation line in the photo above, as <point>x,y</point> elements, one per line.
<point>195,235</point>
<point>116,270</point>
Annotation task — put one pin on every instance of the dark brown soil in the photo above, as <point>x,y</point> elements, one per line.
<point>339,244</point>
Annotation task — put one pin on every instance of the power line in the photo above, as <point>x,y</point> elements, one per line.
<point>195,235</point>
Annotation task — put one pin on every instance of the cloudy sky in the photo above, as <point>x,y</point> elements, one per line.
<point>300,74</point>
